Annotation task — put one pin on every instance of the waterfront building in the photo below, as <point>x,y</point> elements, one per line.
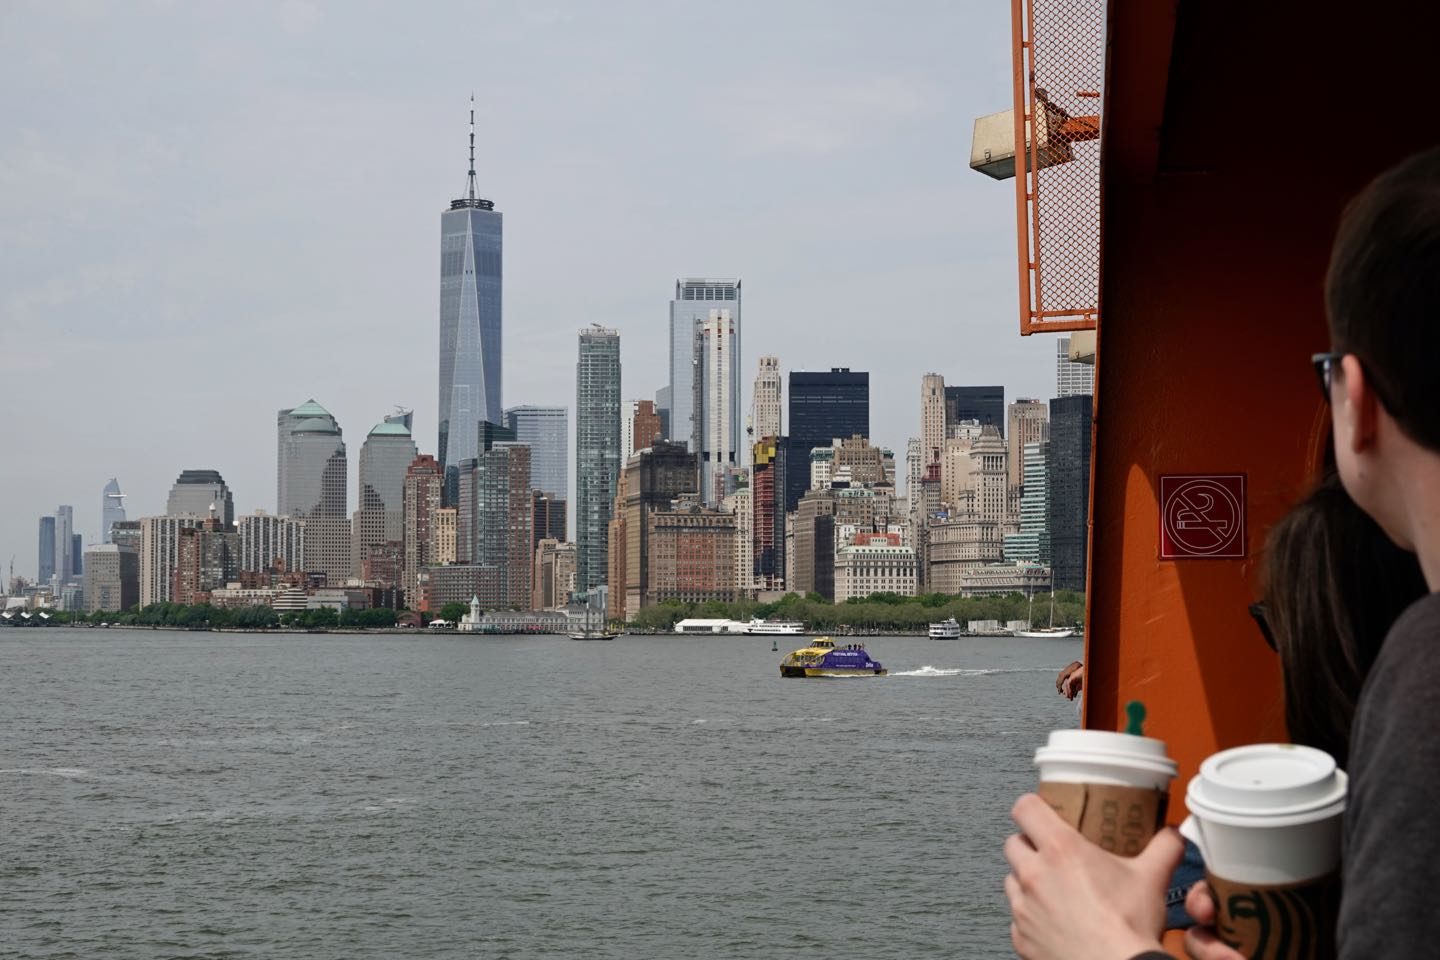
<point>716,436</point>
<point>874,563</point>
<point>691,555</point>
<point>385,458</point>
<point>546,431</point>
<point>1072,379</point>
<point>1027,421</point>
<point>1068,474</point>
<point>504,541</point>
<point>159,544</point>
<point>112,508</point>
<point>424,481</point>
<point>740,504</point>
<point>554,577</point>
<point>765,409</point>
<point>312,485</point>
<point>653,478</point>
<point>201,493</point>
<point>471,248</point>
<point>823,406</point>
<point>1032,543</point>
<point>932,417</point>
<point>1001,579</point>
<point>767,503</point>
<point>955,544</point>
<point>597,450</point>
<point>270,544</point>
<point>112,578</point>
<point>985,405</point>
<point>206,558</point>
<point>696,301</point>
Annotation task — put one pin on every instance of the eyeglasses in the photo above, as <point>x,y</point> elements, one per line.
<point>1260,612</point>
<point>1325,364</point>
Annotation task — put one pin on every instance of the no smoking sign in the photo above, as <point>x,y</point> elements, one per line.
<point>1202,516</point>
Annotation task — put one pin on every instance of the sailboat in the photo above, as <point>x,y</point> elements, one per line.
<point>1051,632</point>
<point>590,630</point>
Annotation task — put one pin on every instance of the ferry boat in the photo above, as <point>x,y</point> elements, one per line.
<point>945,630</point>
<point>824,659</point>
<point>779,628</point>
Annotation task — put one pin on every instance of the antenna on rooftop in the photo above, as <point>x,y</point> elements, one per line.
<point>472,146</point>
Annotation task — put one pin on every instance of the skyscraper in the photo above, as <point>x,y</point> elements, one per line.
<point>823,406</point>
<point>268,542</point>
<point>385,456</point>
<point>1071,379</point>
<point>597,450</point>
<point>982,404</point>
<point>112,509</point>
<point>717,399</point>
<point>1027,421</point>
<point>546,431</point>
<point>424,481</point>
<point>65,543</point>
<point>1068,476</point>
<point>197,492</point>
<point>640,427</point>
<point>1032,543</point>
<point>471,241</point>
<point>46,552</point>
<point>504,544</point>
<point>765,401</point>
<point>767,506</point>
<point>932,418</point>
<point>312,473</point>
<point>696,300</point>
<point>159,554</point>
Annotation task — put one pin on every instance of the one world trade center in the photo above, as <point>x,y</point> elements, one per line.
<point>470,254</point>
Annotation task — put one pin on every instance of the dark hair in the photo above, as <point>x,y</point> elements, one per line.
<point>1382,291</point>
<point>1334,585</point>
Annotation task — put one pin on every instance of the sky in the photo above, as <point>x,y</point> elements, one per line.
<point>210,211</point>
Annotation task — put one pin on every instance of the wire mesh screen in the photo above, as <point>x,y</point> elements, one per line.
<point>1060,60</point>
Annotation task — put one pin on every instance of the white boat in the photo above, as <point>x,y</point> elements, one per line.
<point>1051,632</point>
<point>945,630</point>
<point>781,628</point>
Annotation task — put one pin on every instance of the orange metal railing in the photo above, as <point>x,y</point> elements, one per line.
<point>1059,62</point>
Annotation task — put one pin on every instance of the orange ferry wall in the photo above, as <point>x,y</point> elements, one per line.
<point>1235,132</point>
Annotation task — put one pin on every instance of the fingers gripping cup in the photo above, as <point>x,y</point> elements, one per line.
<point>1267,820</point>
<point>1112,787</point>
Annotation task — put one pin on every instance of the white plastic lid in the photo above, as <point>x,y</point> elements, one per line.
<point>1103,746</point>
<point>1266,780</point>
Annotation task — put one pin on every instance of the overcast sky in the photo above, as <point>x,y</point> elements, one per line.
<point>209,211</point>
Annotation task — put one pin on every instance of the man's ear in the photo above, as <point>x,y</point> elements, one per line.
<point>1360,407</point>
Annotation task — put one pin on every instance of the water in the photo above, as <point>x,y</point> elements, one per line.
<point>206,795</point>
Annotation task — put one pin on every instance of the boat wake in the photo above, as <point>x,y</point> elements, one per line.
<point>929,671</point>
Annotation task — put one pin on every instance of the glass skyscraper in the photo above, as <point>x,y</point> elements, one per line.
<point>313,485</point>
<point>546,431</point>
<point>197,492</point>
<point>823,406</point>
<point>696,301</point>
<point>597,451</point>
<point>1068,481</point>
<point>385,457</point>
<point>471,238</point>
<point>982,404</point>
<point>112,509</point>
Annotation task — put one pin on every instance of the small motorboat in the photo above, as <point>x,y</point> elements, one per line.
<point>824,659</point>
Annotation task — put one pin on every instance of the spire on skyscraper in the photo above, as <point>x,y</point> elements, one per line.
<point>472,145</point>
<point>472,197</point>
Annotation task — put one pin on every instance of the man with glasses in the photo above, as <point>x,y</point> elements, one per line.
<point>1382,297</point>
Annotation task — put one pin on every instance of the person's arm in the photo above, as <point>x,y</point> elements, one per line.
<point>1071,900</point>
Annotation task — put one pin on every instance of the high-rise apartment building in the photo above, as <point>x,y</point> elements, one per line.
<point>271,544</point>
<point>424,481</point>
<point>932,417</point>
<point>814,567</point>
<point>654,477</point>
<point>741,505</point>
<point>159,549</point>
<point>312,479</point>
<point>597,450</point>
<point>65,543</point>
<point>823,406</point>
<point>984,405</point>
<point>206,558</point>
<point>767,504</point>
<point>1032,543</point>
<point>640,427</point>
<point>471,246</point>
<point>504,542</point>
<point>112,578</point>
<point>554,577</point>
<point>112,509</point>
<point>385,458</point>
<point>1069,480</point>
<point>1072,379</point>
<point>765,401</point>
<point>546,431</point>
<point>46,551</point>
<point>1027,421</point>
<point>716,436</point>
<point>201,493</point>
<point>696,300</point>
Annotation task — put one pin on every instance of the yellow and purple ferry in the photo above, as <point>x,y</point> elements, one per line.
<point>824,659</point>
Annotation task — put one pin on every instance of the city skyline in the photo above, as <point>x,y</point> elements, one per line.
<point>400,131</point>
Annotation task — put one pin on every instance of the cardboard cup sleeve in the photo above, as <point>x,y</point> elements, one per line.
<point>1115,818</point>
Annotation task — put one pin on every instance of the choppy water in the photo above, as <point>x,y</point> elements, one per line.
<point>199,795</point>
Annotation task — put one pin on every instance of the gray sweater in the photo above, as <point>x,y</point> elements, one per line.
<point>1392,820</point>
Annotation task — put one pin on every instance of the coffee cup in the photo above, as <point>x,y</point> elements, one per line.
<point>1266,818</point>
<point>1112,787</point>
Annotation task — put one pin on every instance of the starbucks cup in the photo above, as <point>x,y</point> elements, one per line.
<point>1266,817</point>
<point>1112,787</point>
